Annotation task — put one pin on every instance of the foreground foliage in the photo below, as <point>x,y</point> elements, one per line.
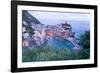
<point>50,54</point>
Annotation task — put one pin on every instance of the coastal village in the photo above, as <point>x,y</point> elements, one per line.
<point>36,34</point>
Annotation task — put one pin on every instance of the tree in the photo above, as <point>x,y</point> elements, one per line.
<point>85,40</point>
<point>85,43</point>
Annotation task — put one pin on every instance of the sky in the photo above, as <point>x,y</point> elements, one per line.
<point>59,17</point>
<point>77,20</point>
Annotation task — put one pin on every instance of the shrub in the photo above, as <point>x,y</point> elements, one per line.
<point>45,53</point>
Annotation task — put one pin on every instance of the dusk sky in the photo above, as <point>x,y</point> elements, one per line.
<point>55,16</point>
<point>79,21</point>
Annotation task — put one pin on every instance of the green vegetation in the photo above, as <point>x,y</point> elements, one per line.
<point>85,43</point>
<point>85,39</point>
<point>48,53</point>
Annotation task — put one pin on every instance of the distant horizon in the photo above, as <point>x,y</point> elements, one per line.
<point>61,16</point>
<point>76,20</point>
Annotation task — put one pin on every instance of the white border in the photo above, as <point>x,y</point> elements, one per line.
<point>53,63</point>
